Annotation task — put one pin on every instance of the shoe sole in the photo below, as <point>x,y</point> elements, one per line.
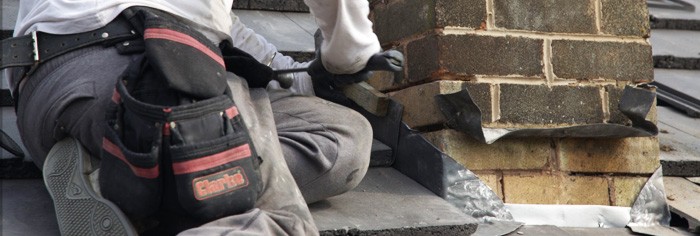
<point>79,210</point>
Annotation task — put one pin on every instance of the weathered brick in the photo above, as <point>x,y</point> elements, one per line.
<point>492,180</point>
<point>473,55</point>
<point>555,189</point>
<point>610,60</point>
<point>469,14</point>
<point>422,58</point>
<point>572,16</point>
<point>625,17</point>
<point>626,190</point>
<point>504,154</point>
<point>628,155</point>
<point>400,19</point>
<point>420,108</point>
<point>540,105</point>
<point>279,5</point>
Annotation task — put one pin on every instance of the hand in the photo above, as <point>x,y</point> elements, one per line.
<point>390,60</point>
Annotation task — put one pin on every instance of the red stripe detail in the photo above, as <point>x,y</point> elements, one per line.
<point>116,97</point>
<point>166,129</point>
<point>149,173</point>
<point>232,112</point>
<point>212,161</point>
<point>172,35</point>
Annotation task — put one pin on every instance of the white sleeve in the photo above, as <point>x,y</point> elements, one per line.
<point>348,39</point>
<point>254,44</point>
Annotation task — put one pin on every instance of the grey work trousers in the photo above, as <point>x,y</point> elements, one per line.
<point>325,146</point>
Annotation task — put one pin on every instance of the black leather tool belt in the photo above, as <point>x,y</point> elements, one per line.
<point>38,47</point>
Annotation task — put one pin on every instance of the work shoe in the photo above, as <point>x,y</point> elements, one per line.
<point>79,209</point>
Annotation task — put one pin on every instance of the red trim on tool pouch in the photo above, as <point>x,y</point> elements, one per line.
<point>212,161</point>
<point>232,112</point>
<point>172,35</point>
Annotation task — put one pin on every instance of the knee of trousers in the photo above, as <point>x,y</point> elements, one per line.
<point>354,159</point>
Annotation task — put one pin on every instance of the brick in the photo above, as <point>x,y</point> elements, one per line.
<point>505,154</point>
<point>473,55</point>
<point>543,106</point>
<point>609,60</point>
<point>628,155</point>
<point>572,16</point>
<point>420,108</point>
<point>469,14</point>
<point>626,190</point>
<point>555,189</point>
<point>625,17</point>
<point>401,19</point>
<point>493,181</point>
<point>422,58</point>
<point>279,5</point>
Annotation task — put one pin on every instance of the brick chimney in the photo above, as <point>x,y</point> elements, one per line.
<point>527,64</point>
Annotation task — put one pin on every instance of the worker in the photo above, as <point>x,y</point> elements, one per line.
<point>63,90</point>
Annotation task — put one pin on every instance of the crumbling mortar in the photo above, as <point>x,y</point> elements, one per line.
<point>553,160</point>
<point>611,190</point>
<point>585,82</point>
<point>501,185</point>
<point>414,37</point>
<point>452,30</point>
<point>510,79</point>
<point>446,77</point>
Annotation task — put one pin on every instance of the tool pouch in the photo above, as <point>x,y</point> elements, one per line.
<point>174,139</point>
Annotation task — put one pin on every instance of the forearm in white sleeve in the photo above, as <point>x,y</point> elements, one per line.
<point>254,44</point>
<point>348,39</point>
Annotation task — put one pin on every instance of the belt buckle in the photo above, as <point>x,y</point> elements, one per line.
<point>35,47</point>
<point>35,54</point>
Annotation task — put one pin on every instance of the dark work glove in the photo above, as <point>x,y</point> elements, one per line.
<point>244,65</point>
<point>326,84</point>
